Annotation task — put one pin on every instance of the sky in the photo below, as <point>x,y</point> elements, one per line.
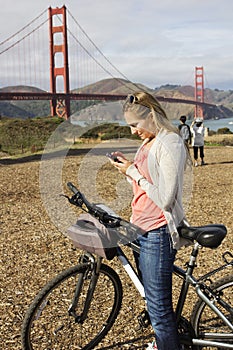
<point>151,42</point>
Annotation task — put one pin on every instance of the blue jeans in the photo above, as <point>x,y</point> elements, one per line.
<point>156,265</point>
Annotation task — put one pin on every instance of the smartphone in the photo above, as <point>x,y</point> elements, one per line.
<point>114,158</point>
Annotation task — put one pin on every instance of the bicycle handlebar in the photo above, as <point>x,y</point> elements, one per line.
<point>78,199</point>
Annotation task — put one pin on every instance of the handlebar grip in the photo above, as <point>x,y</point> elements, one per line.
<point>72,187</point>
<point>78,198</point>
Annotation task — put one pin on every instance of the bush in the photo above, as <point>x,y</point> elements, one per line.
<point>108,132</point>
<point>211,132</point>
<point>20,135</point>
<point>224,131</point>
<point>227,142</point>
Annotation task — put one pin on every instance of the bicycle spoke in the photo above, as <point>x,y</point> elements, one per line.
<point>50,325</point>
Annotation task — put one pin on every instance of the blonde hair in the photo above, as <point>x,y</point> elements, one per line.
<point>147,100</point>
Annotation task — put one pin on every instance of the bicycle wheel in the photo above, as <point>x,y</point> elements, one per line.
<point>206,324</point>
<point>48,324</point>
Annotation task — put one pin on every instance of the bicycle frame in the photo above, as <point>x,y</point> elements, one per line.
<point>205,293</point>
<point>188,279</point>
<point>133,275</point>
<point>202,290</point>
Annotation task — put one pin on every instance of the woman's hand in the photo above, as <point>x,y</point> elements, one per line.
<point>122,164</point>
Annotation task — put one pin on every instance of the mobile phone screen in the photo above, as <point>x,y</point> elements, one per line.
<point>114,158</point>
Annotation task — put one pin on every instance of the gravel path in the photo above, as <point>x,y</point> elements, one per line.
<point>33,249</point>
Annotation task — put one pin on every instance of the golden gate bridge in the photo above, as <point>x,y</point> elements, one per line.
<point>26,61</point>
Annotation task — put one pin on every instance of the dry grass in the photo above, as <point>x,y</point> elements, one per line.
<point>33,250</point>
<point>225,139</point>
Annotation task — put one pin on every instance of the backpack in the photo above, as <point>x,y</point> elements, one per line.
<point>185,132</point>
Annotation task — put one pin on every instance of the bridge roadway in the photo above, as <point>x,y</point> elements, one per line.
<point>7,96</point>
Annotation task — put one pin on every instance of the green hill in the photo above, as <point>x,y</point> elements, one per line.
<point>19,136</point>
<point>26,134</point>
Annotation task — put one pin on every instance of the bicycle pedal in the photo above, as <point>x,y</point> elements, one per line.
<point>144,319</point>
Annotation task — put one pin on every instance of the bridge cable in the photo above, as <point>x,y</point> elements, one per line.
<point>12,36</point>
<point>25,36</point>
<point>83,31</point>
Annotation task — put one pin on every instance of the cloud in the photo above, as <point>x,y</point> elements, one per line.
<point>150,42</point>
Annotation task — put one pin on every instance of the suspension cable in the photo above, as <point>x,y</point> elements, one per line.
<point>12,36</point>
<point>83,31</point>
<point>25,36</point>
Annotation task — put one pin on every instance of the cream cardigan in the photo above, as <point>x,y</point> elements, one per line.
<point>166,163</point>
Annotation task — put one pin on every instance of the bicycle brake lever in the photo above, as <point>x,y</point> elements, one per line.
<point>75,199</point>
<point>64,195</point>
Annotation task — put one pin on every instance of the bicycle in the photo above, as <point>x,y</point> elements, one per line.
<point>79,306</point>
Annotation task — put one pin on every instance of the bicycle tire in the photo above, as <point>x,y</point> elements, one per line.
<point>47,323</point>
<point>204,320</point>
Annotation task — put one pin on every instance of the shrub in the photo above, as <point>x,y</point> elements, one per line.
<point>224,131</point>
<point>108,132</point>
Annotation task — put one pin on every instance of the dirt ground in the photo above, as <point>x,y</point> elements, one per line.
<point>33,248</point>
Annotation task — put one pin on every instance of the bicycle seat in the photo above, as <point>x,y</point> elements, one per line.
<point>210,236</point>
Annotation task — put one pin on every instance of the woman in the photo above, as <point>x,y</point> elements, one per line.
<point>157,179</point>
<point>198,133</point>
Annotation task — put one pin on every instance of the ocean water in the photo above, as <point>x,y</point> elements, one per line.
<point>211,124</point>
<point>219,123</point>
<point>214,124</point>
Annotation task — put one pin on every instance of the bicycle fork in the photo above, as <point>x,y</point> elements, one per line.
<point>92,274</point>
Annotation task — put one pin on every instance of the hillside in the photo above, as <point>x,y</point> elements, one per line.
<point>113,111</point>
<point>27,134</point>
<point>22,136</point>
<point>30,109</point>
<point>23,109</point>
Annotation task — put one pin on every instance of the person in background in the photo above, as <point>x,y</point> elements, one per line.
<point>156,175</point>
<point>184,130</point>
<point>198,132</point>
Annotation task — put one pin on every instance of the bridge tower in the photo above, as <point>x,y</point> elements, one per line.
<point>58,45</point>
<point>199,91</point>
